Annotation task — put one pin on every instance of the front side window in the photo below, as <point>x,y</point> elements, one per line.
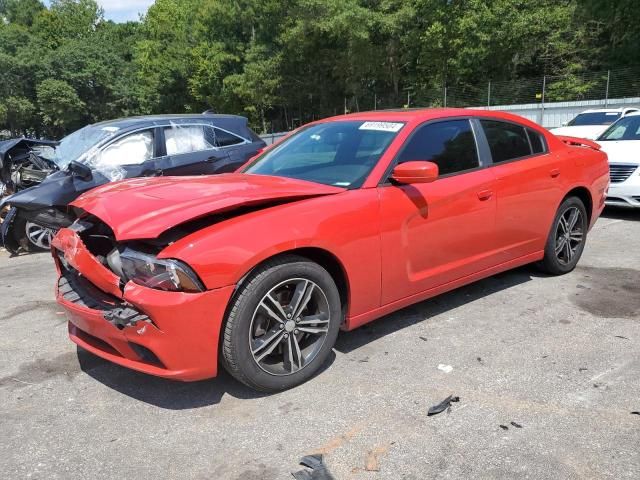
<point>181,139</point>
<point>507,141</point>
<point>449,144</point>
<point>131,149</point>
<point>339,153</point>
<point>627,128</point>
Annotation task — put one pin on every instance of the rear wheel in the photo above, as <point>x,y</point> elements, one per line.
<point>282,324</point>
<point>567,237</point>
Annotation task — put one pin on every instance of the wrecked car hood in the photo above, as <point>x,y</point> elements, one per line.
<point>7,145</point>
<point>144,208</point>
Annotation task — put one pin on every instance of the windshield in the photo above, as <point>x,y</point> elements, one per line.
<point>594,118</point>
<point>340,153</point>
<point>73,146</point>
<point>627,128</point>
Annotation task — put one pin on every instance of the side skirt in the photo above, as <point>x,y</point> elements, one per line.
<point>359,320</point>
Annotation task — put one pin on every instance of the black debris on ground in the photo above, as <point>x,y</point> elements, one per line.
<point>582,369</point>
<point>620,336</point>
<point>424,339</point>
<point>635,413</point>
<point>319,470</point>
<point>517,425</point>
<point>504,427</point>
<point>442,406</point>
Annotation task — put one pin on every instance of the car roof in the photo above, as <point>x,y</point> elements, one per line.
<point>235,124</point>
<point>426,114</point>
<point>607,110</point>
<point>144,120</point>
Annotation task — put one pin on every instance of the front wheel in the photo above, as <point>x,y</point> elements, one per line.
<point>567,238</point>
<point>282,324</point>
<point>31,236</point>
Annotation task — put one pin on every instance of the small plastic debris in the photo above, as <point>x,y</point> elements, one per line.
<point>582,369</point>
<point>442,406</point>
<point>504,427</point>
<point>319,470</point>
<point>479,359</point>
<point>635,413</point>
<point>424,339</point>
<point>445,368</point>
<point>517,425</point>
<point>620,336</point>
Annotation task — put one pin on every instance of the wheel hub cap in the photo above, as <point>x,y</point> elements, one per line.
<point>289,326</point>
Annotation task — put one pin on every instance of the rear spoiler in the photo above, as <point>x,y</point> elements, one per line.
<point>579,142</point>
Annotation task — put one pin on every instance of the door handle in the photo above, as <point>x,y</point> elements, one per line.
<point>485,195</point>
<point>554,173</point>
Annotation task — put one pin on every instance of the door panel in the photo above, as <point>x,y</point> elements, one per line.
<point>435,233</point>
<point>528,187</point>
<point>528,193</point>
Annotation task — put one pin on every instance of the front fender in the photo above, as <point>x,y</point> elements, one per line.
<point>346,226</point>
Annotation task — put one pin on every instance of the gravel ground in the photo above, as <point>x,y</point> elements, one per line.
<point>558,356</point>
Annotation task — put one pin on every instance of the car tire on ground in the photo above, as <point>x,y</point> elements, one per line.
<point>567,238</point>
<point>21,235</point>
<point>282,324</point>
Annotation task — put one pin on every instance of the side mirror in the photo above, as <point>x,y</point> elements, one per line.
<point>564,124</point>
<point>80,169</point>
<point>415,172</point>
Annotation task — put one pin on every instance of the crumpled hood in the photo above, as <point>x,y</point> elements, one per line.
<point>144,208</point>
<point>590,132</point>
<point>622,151</point>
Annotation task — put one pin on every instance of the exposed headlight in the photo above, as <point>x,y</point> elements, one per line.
<point>149,271</point>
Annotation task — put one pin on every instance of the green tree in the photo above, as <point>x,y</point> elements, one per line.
<point>18,115</point>
<point>60,106</point>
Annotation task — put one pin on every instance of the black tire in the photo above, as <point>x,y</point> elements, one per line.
<point>18,231</point>
<point>559,263</point>
<point>245,313</point>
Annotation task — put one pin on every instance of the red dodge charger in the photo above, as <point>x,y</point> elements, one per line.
<point>344,221</point>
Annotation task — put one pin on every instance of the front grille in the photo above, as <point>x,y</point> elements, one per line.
<point>619,173</point>
<point>76,289</point>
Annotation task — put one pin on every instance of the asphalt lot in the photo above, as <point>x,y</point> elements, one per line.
<point>559,356</point>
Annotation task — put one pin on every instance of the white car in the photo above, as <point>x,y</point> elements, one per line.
<point>621,142</point>
<point>592,123</point>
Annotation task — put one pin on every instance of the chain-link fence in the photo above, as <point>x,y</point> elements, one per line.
<point>594,89</point>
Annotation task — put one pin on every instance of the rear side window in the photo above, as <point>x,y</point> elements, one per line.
<point>450,144</point>
<point>226,139</point>
<point>537,141</point>
<point>507,141</point>
<point>181,139</point>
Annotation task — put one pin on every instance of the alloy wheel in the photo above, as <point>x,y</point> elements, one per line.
<point>289,326</point>
<point>38,235</point>
<point>569,235</point>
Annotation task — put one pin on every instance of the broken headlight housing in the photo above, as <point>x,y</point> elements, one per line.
<point>152,272</point>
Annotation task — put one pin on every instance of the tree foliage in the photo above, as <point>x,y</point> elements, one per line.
<point>285,63</point>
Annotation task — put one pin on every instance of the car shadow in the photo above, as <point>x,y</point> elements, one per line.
<point>621,213</point>
<point>169,394</point>
<point>174,395</point>
<point>423,311</point>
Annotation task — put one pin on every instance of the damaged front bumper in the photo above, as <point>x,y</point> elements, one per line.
<point>168,334</point>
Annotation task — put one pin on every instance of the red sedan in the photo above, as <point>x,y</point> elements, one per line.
<point>346,220</point>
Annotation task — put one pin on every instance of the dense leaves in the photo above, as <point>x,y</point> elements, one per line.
<point>285,63</point>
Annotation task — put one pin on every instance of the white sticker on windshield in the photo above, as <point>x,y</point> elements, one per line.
<point>110,129</point>
<point>382,126</point>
